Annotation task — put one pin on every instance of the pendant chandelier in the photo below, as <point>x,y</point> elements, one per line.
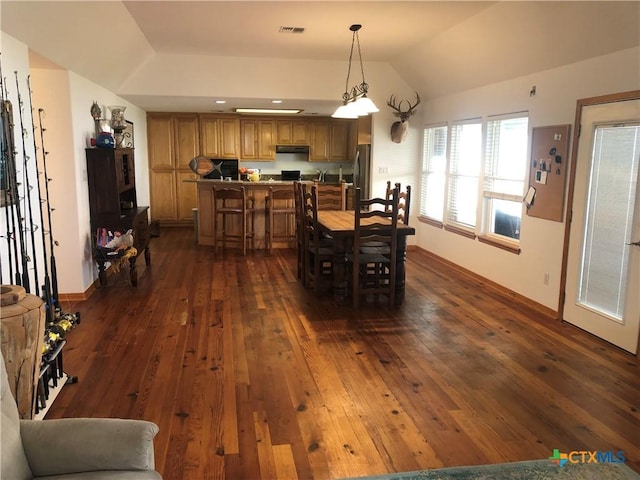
<point>354,101</point>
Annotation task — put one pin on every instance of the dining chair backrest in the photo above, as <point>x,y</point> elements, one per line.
<point>331,196</point>
<point>375,221</point>
<point>404,201</point>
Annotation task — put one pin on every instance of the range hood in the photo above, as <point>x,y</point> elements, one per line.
<point>292,149</point>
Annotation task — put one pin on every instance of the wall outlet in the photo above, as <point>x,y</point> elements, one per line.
<point>383,169</point>
<point>546,278</point>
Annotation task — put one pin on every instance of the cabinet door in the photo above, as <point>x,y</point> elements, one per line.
<point>160,140</point>
<point>187,195</point>
<point>292,132</point>
<point>266,145</point>
<point>249,139</point>
<point>187,145</point>
<point>125,170</point>
<point>229,133</point>
<point>210,135</point>
<point>319,141</point>
<point>339,141</point>
<point>219,136</point>
<point>257,139</point>
<point>163,196</point>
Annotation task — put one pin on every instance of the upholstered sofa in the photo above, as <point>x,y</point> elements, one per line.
<point>73,448</point>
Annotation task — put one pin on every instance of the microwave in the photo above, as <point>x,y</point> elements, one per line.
<point>224,168</point>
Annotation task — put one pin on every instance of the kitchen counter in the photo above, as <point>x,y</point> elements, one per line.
<point>258,190</point>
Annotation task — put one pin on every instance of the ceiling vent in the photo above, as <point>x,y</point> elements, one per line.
<point>291,29</point>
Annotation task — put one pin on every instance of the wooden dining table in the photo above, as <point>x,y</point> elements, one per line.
<point>340,225</point>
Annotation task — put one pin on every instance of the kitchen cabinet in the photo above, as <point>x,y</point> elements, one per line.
<point>332,140</point>
<point>319,138</point>
<point>339,146</point>
<point>220,136</point>
<point>174,139</point>
<point>292,132</point>
<point>257,139</point>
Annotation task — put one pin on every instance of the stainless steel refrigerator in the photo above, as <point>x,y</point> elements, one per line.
<point>362,170</point>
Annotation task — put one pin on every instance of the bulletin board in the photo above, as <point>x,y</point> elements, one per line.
<point>547,172</point>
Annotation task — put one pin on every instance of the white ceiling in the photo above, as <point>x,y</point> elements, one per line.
<point>437,47</point>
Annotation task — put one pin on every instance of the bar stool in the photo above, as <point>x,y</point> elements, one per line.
<point>234,202</point>
<point>279,203</point>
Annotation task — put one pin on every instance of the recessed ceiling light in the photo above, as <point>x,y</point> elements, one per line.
<point>276,101</point>
<point>221,101</point>
<point>284,29</point>
<point>289,111</point>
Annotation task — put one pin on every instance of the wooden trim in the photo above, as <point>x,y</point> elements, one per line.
<point>509,247</point>
<point>460,231</point>
<point>583,102</point>
<point>501,290</point>
<point>430,221</point>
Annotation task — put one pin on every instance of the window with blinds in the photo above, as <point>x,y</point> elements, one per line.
<point>471,161</point>
<point>609,220</point>
<point>434,167</point>
<point>465,160</point>
<point>505,167</point>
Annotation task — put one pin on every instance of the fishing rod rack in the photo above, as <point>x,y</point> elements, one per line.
<point>27,241</point>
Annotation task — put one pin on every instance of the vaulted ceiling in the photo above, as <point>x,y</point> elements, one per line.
<point>437,47</point>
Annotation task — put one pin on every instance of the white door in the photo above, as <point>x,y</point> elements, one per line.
<point>603,265</point>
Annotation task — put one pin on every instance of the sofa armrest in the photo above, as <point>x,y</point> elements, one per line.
<point>73,445</point>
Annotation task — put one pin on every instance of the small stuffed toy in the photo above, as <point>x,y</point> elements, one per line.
<point>121,241</point>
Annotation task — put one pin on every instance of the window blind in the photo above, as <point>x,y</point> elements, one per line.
<point>434,166</point>
<point>464,170</point>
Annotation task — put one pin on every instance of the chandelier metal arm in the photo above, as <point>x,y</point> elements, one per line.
<point>357,95</point>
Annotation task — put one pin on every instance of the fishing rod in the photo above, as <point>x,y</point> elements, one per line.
<point>6,196</point>
<point>13,201</point>
<point>52,242</point>
<point>12,189</point>
<point>27,190</point>
<point>46,288</point>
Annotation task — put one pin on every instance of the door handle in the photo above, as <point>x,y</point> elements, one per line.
<point>637,244</point>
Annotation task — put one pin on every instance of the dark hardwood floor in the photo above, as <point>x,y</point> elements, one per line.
<point>249,376</point>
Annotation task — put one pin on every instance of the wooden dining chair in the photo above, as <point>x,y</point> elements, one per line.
<point>331,196</point>
<point>300,232</point>
<point>404,201</point>
<point>375,220</point>
<point>318,263</point>
<point>233,202</point>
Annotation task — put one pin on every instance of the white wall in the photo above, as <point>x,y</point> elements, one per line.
<point>65,99</point>
<point>554,104</point>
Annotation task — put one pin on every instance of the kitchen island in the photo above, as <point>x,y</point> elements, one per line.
<point>258,190</point>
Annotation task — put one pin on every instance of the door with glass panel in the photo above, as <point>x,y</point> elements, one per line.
<point>603,263</point>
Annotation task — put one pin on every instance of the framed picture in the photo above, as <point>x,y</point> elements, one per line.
<point>128,135</point>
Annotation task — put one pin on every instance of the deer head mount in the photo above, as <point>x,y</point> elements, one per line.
<point>400,128</point>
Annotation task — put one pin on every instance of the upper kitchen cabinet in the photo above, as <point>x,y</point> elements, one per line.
<point>332,140</point>
<point>160,139</point>
<point>187,139</point>
<point>219,136</point>
<point>292,132</point>
<point>257,139</point>
<point>339,146</point>
<point>319,138</point>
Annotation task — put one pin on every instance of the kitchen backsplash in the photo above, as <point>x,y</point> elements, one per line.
<point>308,170</point>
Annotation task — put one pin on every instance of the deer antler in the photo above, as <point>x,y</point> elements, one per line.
<point>404,115</point>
